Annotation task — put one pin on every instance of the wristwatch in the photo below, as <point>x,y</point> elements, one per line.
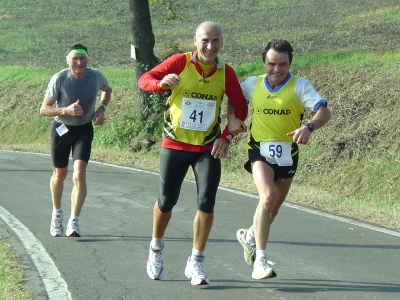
<point>310,126</point>
<point>102,105</point>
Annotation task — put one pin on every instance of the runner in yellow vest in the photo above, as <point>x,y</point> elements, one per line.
<point>279,100</point>
<point>192,138</point>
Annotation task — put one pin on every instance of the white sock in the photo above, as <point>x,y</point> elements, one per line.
<point>196,252</point>
<point>73,218</point>
<point>57,211</point>
<point>261,253</point>
<point>157,243</point>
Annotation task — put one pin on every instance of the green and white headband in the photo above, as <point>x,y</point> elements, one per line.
<point>75,51</point>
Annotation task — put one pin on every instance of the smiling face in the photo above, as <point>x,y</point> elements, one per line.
<point>208,41</point>
<point>77,65</point>
<point>277,66</point>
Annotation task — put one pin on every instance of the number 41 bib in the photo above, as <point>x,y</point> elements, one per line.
<point>277,153</point>
<point>197,114</point>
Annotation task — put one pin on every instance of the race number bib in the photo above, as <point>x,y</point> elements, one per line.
<point>277,153</point>
<point>61,130</point>
<point>197,114</point>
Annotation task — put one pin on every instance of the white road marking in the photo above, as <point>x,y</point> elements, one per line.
<point>55,285</point>
<point>323,214</point>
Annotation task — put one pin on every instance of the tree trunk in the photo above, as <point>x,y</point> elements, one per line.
<point>143,42</point>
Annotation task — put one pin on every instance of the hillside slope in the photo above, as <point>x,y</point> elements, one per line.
<point>351,163</point>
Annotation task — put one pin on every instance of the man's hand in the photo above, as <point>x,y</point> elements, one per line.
<point>235,125</point>
<point>98,117</point>
<point>300,135</point>
<point>220,148</point>
<point>169,80</point>
<point>75,109</point>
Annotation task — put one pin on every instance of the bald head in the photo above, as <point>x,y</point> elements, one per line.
<point>208,26</point>
<point>208,42</point>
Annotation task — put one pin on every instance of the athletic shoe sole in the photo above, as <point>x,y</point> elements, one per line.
<point>149,269</point>
<point>57,234</point>
<point>270,275</point>
<point>74,234</point>
<point>154,277</point>
<point>204,283</point>
<point>264,272</point>
<point>248,252</point>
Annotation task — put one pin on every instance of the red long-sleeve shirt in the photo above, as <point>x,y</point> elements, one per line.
<point>150,82</point>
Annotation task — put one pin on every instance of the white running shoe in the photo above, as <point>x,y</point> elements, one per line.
<point>73,229</point>
<point>155,268</point>
<point>56,227</point>
<point>195,271</point>
<point>262,269</point>
<point>249,252</point>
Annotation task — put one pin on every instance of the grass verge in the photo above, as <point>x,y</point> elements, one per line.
<point>12,281</point>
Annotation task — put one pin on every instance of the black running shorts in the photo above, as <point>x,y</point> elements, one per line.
<point>280,171</point>
<point>174,165</point>
<point>78,139</point>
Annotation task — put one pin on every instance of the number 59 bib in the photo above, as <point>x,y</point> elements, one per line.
<point>197,114</point>
<point>277,153</point>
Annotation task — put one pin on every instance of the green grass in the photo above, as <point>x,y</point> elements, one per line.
<point>349,50</point>
<point>12,282</point>
<point>385,62</point>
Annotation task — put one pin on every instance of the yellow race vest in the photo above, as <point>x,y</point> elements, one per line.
<point>193,109</point>
<point>275,113</point>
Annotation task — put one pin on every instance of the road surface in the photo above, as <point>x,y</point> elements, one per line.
<point>317,255</point>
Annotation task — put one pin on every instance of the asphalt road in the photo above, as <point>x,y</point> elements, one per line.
<point>317,255</point>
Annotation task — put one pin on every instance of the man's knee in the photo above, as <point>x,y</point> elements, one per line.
<point>267,201</point>
<point>79,170</point>
<point>165,206</point>
<point>59,174</point>
<point>79,175</point>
